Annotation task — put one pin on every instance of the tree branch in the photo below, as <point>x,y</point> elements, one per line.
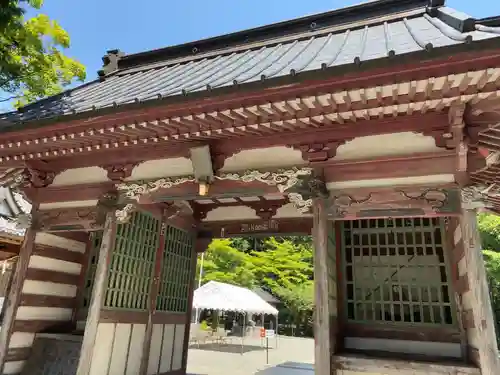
<point>2,100</point>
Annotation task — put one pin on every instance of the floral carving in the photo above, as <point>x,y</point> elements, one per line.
<point>136,190</point>
<point>283,179</point>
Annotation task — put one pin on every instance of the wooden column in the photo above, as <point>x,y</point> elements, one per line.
<point>99,289</point>
<point>322,330</point>
<point>481,303</point>
<point>14,298</point>
<point>202,242</point>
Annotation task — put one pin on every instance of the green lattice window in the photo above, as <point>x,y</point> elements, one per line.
<point>96,239</point>
<point>396,271</point>
<point>176,271</point>
<point>132,263</point>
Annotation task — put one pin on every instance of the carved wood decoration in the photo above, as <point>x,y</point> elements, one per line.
<point>282,179</point>
<point>66,219</point>
<point>264,208</point>
<point>32,178</point>
<point>119,172</point>
<point>394,202</point>
<point>108,202</point>
<point>321,151</point>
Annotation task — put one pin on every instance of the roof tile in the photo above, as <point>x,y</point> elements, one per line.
<point>237,66</point>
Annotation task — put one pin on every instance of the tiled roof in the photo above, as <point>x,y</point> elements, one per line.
<point>350,36</point>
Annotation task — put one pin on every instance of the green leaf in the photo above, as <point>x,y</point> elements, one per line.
<point>32,62</point>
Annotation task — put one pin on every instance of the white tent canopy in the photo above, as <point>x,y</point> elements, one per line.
<point>225,297</point>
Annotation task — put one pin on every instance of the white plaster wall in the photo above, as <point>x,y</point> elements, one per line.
<point>391,182</point>
<point>263,158</point>
<point>81,176</point>
<point>68,204</point>
<point>231,213</point>
<point>161,168</point>
<point>289,211</point>
<point>373,146</point>
<point>49,239</point>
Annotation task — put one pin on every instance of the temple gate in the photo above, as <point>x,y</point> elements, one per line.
<point>373,128</point>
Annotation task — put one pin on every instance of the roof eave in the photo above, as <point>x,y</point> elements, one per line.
<point>395,61</point>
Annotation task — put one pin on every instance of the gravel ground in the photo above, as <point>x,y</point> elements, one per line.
<point>287,356</point>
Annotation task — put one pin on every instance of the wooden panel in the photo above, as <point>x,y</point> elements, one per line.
<point>103,348</point>
<point>397,332</point>
<point>155,349</point>
<point>123,316</point>
<point>178,346</point>
<point>167,348</point>
<point>47,301</point>
<point>18,354</point>
<point>120,349</point>
<point>47,326</point>
<point>57,253</point>
<point>162,317</point>
<point>52,276</point>
<point>136,344</point>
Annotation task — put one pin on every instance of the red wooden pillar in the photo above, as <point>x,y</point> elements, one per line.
<point>322,330</point>
<point>89,338</point>
<point>14,297</point>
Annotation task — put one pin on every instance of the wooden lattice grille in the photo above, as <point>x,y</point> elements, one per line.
<point>96,239</point>
<point>132,263</point>
<point>396,271</point>
<point>176,271</point>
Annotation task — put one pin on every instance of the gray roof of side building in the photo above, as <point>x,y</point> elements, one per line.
<point>348,37</point>
<point>266,296</point>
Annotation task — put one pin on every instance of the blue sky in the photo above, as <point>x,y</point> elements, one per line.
<point>133,26</point>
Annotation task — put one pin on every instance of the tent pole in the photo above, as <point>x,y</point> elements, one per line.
<point>244,331</point>
<point>199,284</point>
<point>277,329</point>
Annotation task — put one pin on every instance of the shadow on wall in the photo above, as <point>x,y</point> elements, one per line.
<point>288,368</point>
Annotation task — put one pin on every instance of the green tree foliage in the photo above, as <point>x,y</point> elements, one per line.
<point>489,226</point>
<point>282,264</point>
<point>222,262</point>
<point>32,64</point>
